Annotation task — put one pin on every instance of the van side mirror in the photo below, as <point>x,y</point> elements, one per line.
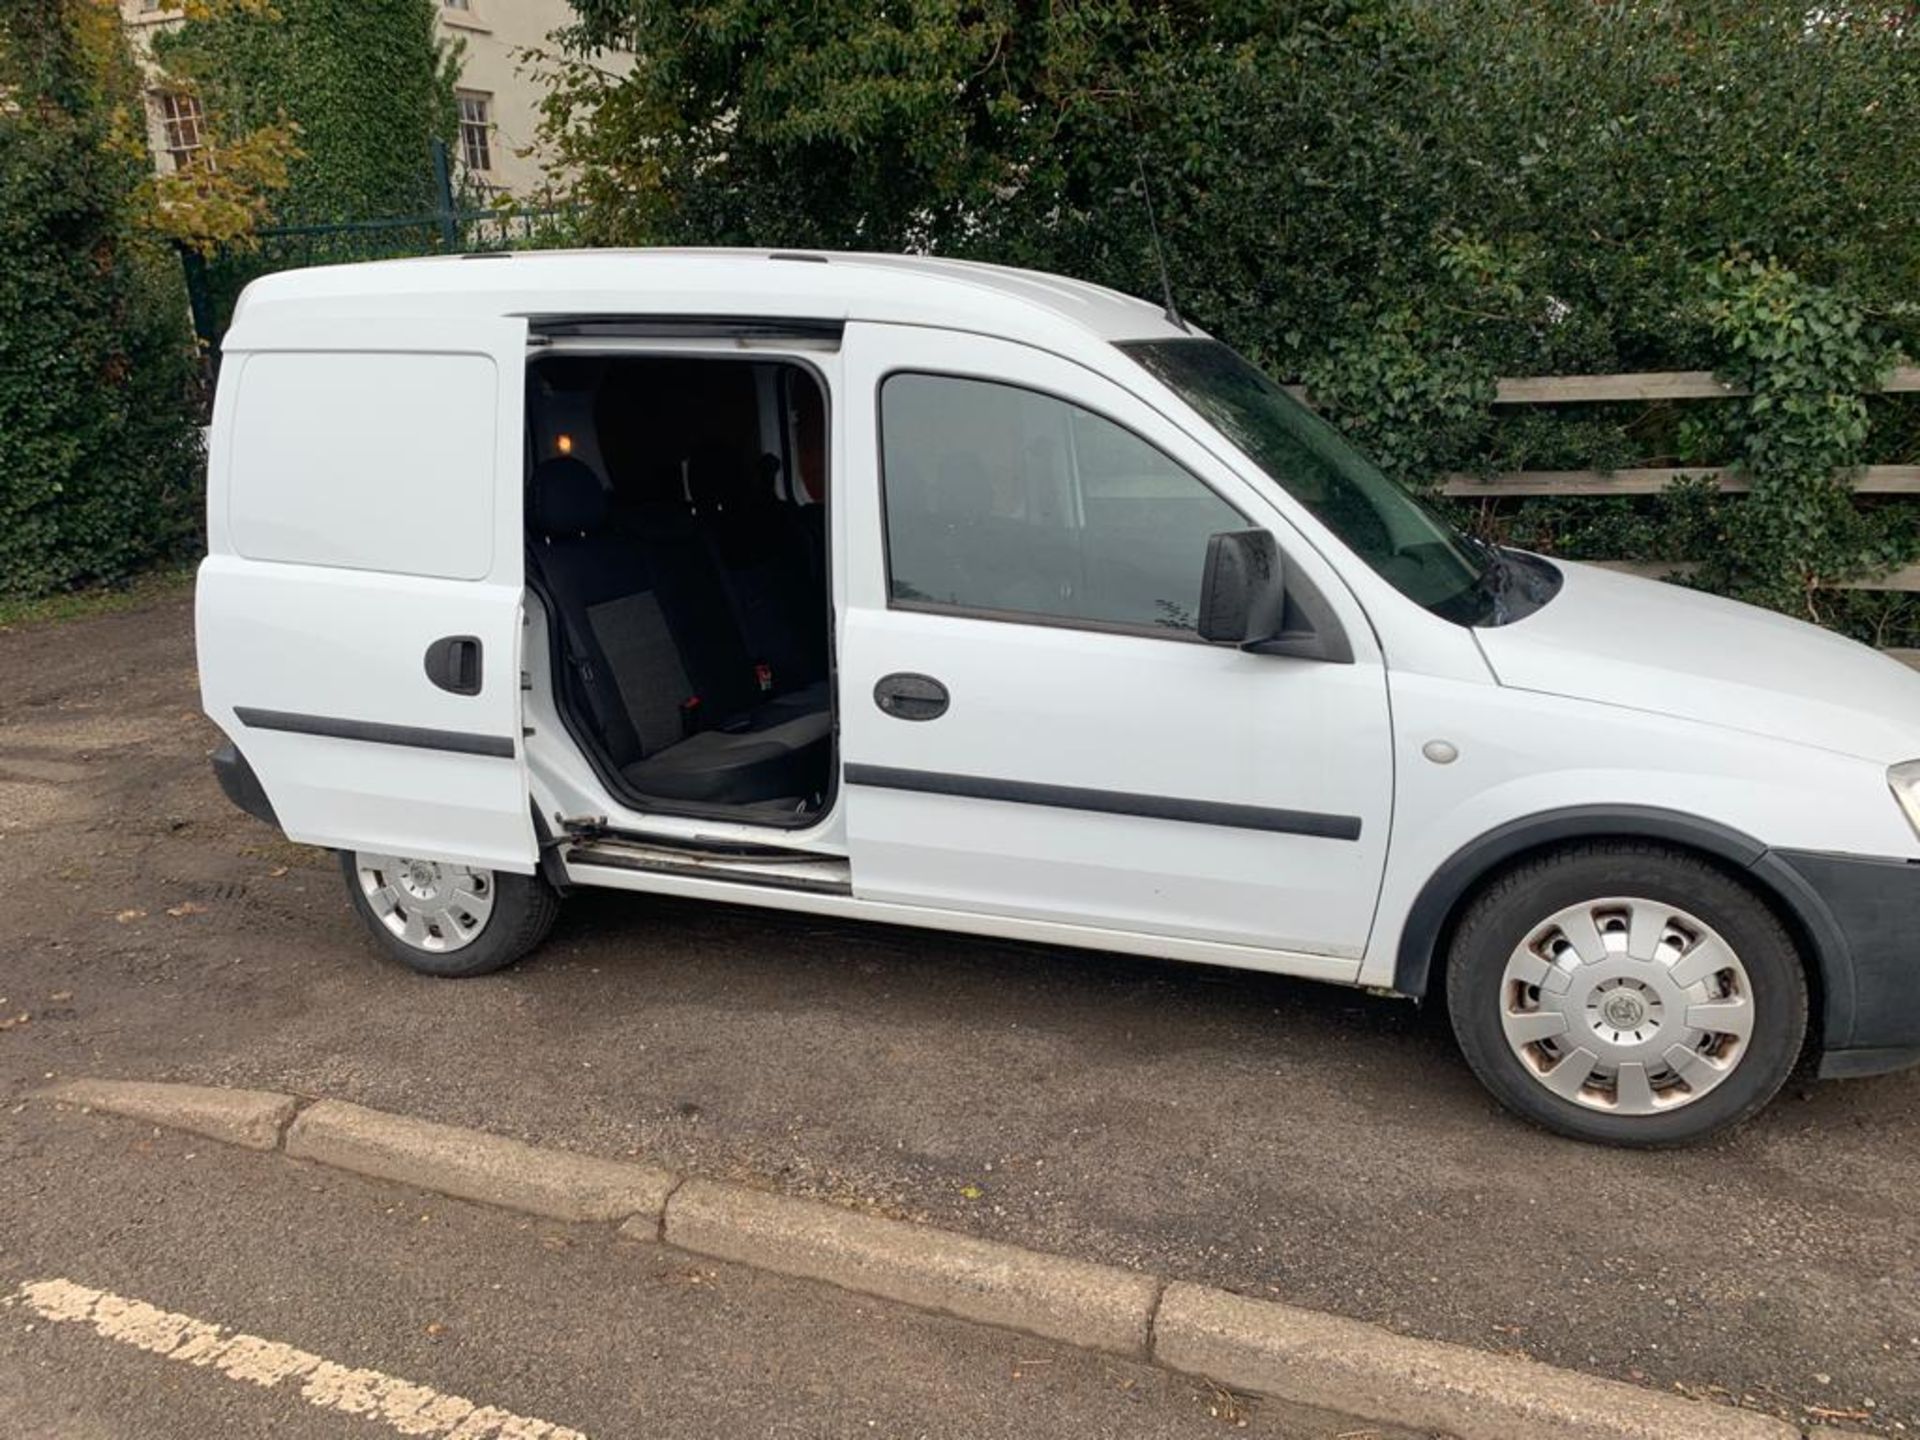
<point>1243,595</point>
<point>1247,600</point>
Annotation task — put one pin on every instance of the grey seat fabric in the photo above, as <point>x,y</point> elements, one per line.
<point>758,552</point>
<point>627,670</point>
<point>594,586</point>
<point>750,765</point>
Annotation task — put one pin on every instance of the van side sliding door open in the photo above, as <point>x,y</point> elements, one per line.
<point>359,610</point>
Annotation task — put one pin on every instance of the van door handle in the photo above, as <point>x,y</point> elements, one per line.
<point>454,663</point>
<point>907,696</point>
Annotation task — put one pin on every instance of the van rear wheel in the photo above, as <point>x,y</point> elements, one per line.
<point>1626,993</point>
<point>448,920</point>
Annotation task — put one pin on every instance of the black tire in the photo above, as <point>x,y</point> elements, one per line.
<point>1508,911</point>
<point>524,908</point>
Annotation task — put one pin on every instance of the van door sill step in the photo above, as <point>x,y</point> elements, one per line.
<point>819,874</point>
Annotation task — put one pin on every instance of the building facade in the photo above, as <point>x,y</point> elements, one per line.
<point>499,91</point>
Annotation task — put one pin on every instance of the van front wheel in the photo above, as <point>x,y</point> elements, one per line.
<point>1626,993</point>
<point>448,920</point>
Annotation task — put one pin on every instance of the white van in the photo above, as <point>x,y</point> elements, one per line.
<point>989,601</point>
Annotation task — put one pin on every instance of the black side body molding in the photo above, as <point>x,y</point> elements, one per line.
<point>1110,802</point>
<point>374,732</point>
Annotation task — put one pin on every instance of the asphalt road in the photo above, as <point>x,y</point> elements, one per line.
<point>1276,1137</point>
<point>568,1325</point>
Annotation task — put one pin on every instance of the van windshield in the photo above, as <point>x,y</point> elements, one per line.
<point>1455,576</point>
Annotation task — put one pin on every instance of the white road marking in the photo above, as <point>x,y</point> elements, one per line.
<point>400,1405</point>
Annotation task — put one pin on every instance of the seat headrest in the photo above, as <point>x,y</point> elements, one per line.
<point>565,497</point>
<point>720,476</point>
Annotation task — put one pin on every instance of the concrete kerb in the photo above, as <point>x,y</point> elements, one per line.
<point>1312,1358</point>
<point>250,1118</point>
<point>473,1165</point>
<point>1094,1307</point>
<point>1301,1356</point>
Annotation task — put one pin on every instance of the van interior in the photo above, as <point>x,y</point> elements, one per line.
<point>677,540</point>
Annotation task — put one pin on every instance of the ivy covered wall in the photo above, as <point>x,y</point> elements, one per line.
<point>365,85</point>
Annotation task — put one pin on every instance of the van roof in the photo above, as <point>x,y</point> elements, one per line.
<point>820,285</point>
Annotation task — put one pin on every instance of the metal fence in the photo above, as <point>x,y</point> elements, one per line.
<point>214,282</point>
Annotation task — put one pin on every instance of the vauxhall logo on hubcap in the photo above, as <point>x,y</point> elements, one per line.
<point>1624,1010</point>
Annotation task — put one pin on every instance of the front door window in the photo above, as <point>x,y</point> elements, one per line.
<point>1013,502</point>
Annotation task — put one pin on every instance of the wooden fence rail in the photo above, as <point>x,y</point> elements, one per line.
<point>1650,385</point>
<point>1651,480</point>
<point>1905,578</point>
<point>1873,480</point>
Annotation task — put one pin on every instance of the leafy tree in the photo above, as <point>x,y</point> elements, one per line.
<point>1396,200</point>
<point>224,195</point>
<point>95,359</point>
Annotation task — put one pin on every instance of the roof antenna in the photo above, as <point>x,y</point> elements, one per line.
<point>1159,250</point>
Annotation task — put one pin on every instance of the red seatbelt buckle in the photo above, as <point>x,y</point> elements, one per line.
<point>763,673</point>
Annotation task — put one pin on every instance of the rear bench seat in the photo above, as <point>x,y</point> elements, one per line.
<point>758,549</point>
<point>654,660</point>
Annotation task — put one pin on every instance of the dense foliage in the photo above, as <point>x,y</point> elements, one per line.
<point>363,84</point>
<point>1394,200</point>
<point>98,475</point>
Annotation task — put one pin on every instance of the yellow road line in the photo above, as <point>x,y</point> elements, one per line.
<point>400,1405</point>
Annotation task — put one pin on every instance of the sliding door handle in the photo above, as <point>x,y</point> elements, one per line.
<point>907,696</point>
<point>454,663</point>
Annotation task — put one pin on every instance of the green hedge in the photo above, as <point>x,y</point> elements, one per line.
<point>98,455</point>
<point>99,462</point>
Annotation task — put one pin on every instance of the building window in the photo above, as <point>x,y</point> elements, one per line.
<point>462,14</point>
<point>182,127</point>
<point>476,130</point>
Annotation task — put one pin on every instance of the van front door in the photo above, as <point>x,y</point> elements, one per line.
<point>359,610</point>
<point>1031,726</point>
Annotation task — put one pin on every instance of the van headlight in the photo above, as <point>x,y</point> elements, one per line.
<point>1905,780</point>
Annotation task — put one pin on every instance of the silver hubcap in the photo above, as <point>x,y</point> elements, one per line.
<point>1626,1006</point>
<point>431,906</point>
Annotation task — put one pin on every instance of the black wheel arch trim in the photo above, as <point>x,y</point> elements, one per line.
<point>239,783</point>
<point>1804,909</point>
